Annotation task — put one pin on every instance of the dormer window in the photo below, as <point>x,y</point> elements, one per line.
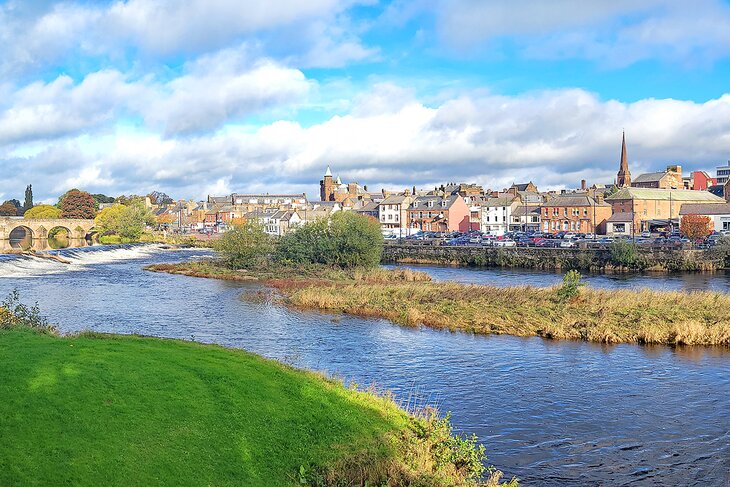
<point>444,203</point>
<point>430,204</point>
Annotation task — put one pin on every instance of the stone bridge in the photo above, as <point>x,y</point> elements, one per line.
<point>17,233</point>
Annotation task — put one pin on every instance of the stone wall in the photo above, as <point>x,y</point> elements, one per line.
<point>551,258</point>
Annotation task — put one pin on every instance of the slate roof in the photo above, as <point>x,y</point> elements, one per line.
<point>649,177</point>
<point>705,209</point>
<point>664,195</point>
<point>573,200</point>
<point>621,217</point>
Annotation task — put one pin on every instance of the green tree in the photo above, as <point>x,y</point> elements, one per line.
<point>344,240</point>
<point>107,221</point>
<point>125,221</point>
<point>28,204</point>
<point>101,198</point>
<point>133,221</point>
<point>42,212</point>
<point>78,205</point>
<point>245,246</point>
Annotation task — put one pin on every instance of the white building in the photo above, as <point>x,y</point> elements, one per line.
<point>497,214</point>
<point>722,173</point>
<point>719,213</point>
<point>393,214</point>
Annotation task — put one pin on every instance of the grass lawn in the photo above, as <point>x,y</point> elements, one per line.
<point>115,410</point>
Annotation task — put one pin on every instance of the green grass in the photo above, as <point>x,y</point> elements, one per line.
<point>124,410</point>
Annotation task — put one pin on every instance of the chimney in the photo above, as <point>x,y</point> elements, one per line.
<point>583,184</point>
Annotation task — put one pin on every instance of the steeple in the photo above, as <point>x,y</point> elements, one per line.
<point>328,172</point>
<point>623,178</point>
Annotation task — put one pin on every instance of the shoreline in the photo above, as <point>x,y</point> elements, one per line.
<point>409,298</point>
<point>363,436</point>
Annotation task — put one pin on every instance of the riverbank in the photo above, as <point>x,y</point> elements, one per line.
<point>622,258</point>
<point>409,298</point>
<point>103,409</point>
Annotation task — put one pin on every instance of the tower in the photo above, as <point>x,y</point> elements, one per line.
<point>623,178</point>
<point>326,187</point>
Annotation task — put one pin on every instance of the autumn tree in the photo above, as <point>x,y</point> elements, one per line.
<point>695,226</point>
<point>8,209</point>
<point>78,205</point>
<point>42,212</point>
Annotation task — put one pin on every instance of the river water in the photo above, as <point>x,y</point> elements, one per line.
<point>551,413</point>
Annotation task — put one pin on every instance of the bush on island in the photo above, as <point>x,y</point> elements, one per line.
<point>345,240</point>
<point>245,246</point>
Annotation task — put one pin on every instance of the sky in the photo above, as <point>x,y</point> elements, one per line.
<point>199,97</point>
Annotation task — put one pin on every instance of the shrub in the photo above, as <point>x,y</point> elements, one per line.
<point>13,313</point>
<point>571,285</point>
<point>245,246</point>
<point>623,253</point>
<point>345,240</point>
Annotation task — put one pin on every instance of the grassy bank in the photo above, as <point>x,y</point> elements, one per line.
<point>409,298</point>
<point>123,410</point>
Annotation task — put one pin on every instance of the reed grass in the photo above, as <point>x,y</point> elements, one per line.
<point>596,315</point>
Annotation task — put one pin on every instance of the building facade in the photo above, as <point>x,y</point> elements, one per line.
<point>671,178</point>
<point>497,214</point>
<point>647,209</point>
<point>576,212</point>
<point>438,214</point>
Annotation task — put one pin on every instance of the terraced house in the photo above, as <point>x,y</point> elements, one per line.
<point>393,212</point>
<point>439,214</point>
<point>575,212</point>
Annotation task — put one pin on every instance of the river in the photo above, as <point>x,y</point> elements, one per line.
<point>550,412</point>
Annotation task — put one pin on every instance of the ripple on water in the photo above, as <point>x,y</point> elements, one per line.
<point>552,413</point>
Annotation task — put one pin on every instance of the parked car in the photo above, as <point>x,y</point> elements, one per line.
<point>569,235</point>
<point>506,242</point>
<point>566,243</point>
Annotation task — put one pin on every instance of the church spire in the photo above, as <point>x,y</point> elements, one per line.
<point>328,172</point>
<point>623,178</point>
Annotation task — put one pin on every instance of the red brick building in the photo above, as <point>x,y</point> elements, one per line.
<point>439,214</point>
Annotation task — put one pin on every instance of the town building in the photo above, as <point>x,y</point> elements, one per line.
<point>393,214</point>
<point>636,210</point>
<point>497,213</point>
<point>438,214</point>
<point>671,178</point>
<point>333,189</point>
<point>575,212</point>
<point>719,214</point>
<point>722,174</point>
<point>699,181</point>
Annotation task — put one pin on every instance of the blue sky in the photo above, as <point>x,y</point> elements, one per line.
<point>197,97</point>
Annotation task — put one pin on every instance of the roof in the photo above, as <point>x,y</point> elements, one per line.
<point>649,177</point>
<point>573,200</point>
<point>521,186</point>
<point>421,202</point>
<point>499,201</point>
<point>394,200</point>
<point>621,217</point>
<point>665,195</point>
<point>526,210</point>
<point>705,209</point>
<point>370,207</point>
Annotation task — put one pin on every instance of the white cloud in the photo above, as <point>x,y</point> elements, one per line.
<point>213,90</point>
<point>554,138</point>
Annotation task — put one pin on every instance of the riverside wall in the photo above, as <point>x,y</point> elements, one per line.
<point>670,260</point>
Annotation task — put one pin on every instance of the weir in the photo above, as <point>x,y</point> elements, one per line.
<point>17,233</point>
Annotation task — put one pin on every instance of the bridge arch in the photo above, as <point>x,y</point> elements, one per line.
<point>21,237</point>
<point>59,237</point>
<point>37,232</point>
